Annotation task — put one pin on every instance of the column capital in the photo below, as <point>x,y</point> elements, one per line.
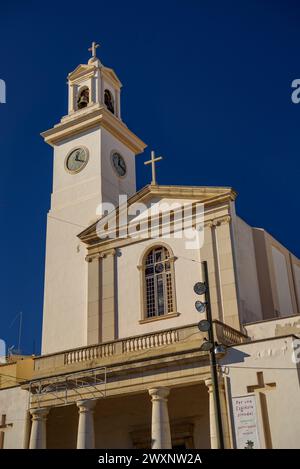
<point>92,257</point>
<point>218,221</point>
<point>108,252</point>
<point>86,405</point>
<point>159,394</point>
<point>208,383</point>
<point>40,413</point>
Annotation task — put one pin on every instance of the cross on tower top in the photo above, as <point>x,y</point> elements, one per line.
<point>152,162</point>
<point>93,49</point>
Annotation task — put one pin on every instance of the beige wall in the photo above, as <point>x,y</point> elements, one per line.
<point>277,280</point>
<point>16,372</point>
<point>274,328</point>
<point>250,304</point>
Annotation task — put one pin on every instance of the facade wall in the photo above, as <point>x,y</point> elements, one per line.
<point>274,359</point>
<point>276,274</point>
<point>216,250</point>
<point>75,204</point>
<point>274,328</point>
<point>122,422</point>
<point>296,274</point>
<point>250,304</point>
<point>14,404</point>
<point>282,282</point>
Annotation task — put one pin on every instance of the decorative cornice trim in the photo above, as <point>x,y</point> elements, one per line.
<point>218,221</point>
<point>99,116</point>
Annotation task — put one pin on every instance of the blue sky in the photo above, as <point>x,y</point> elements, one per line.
<point>206,83</point>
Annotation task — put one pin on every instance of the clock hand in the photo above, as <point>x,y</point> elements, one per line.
<point>76,159</point>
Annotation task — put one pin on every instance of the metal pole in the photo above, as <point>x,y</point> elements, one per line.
<point>213,364</point>
<point>20,332</point>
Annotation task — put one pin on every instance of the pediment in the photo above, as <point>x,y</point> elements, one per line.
<point>154,194</point>
<point>81,70</point>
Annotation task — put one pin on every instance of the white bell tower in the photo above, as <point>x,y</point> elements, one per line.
<point>94,162</point>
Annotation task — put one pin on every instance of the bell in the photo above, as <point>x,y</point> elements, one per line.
<point>82,102</point>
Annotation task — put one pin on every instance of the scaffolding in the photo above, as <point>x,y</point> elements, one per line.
<point>66,389</point>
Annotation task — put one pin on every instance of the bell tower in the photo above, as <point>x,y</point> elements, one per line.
<point>94,162</point>
<point>93,84</point>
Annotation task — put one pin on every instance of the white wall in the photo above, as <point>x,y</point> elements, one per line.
<point>74,206</point>
<point>274,359</point>
<point>14,404</point>
<point>187,273</point>
<point>112,185</point>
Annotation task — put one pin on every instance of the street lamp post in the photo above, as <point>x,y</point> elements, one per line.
<point>209,345</point>
<point>213,364</point>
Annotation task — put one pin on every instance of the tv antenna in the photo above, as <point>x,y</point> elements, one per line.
<point>20,316</point>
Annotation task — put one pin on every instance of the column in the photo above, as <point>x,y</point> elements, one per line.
<point>94,300</point>
<point>86,434</point>
<point>160,429</point>
<point>38,428</point>
<point>212,414</point>
<point>108,326</point>
<point>72,91</point>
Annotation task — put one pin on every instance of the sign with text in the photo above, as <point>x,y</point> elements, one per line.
<point>245,422</point>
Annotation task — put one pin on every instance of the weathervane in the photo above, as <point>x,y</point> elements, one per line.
<point>152,162</point>
<point>93,49</point>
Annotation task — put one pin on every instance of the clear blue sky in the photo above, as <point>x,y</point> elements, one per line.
<point>206,84</point>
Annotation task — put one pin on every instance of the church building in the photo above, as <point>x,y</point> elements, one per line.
<point>127,275</point>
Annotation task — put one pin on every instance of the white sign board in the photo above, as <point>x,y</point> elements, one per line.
<point>245,422</point>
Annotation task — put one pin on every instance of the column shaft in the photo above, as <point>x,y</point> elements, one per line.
<point>38,428</point>
<point>160,429</point>
<point>86,433</point>
<point>212,415</point>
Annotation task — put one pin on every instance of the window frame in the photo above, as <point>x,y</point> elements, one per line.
<point>142,267</point>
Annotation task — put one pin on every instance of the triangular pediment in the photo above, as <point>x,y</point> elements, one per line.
<point>154,194</point>
<point>81,70</point>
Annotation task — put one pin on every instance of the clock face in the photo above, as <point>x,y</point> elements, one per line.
<point>77,160</point>
<point>119,164</point>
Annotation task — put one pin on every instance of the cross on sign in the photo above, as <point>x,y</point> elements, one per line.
<point>261,387</point>
<point>3,426</point>
<point>261,384</point>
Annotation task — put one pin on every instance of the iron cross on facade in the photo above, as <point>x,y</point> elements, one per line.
<point>3,426</point>
<point>93,49</point>
<point>261,387</point>
<point>152,162</point>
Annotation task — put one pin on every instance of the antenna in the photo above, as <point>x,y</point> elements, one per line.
<point>20,316</point>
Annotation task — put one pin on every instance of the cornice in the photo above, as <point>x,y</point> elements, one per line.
<point>96,117</point>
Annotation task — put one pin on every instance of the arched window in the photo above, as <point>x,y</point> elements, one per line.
<point>83,98</point>
<point>159,286</point>
<point>109,101</point>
